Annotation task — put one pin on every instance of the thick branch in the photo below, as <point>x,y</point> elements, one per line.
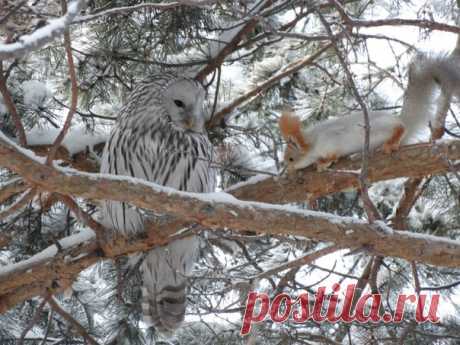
<point>213,211</point>
<point>410,161</point>
<point>220,210</point>
<point>54,270</point>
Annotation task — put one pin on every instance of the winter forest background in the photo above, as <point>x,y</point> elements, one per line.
<point>65,71</point>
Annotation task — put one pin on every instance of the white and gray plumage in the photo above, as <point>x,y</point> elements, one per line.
<point>160,137</point>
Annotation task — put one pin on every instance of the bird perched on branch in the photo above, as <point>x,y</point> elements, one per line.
<point>160,136</point>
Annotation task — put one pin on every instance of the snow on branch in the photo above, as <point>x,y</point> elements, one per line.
<point>57,268</point>
<point>415,161</point>
<point>221,210</point>
<point>41,36</point>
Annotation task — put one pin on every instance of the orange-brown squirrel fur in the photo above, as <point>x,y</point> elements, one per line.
<point>291,129</point>
<point>328,140</point>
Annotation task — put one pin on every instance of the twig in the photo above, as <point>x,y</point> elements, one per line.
<point>84,217</point>
<point>12,108</point>
<point>12,11</point>
<point>41,36</point>
<point>11,188</point>
<point>421,23</point>
<point>23,200</point>
<point>288,70</point>
<point>231,46</point>
<point>413,188</point>
<point>412,324</point>
<point>371,210</point>
<point>306,259</point>
<point>74,99</point>
<point>151,6</point>
<point>359,290</point>
<point>442,287</point>
<point>32,322</point>
<point>48,328</point>
<point>378,260</point>
<point>75,325</point>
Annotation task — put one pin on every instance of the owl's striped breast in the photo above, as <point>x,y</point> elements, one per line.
<point>157,151</point>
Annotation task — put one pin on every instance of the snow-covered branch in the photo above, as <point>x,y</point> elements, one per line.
<point>221,210</point>
<point>415,161</point>
<point>41,36</point>
<point>57,268</point>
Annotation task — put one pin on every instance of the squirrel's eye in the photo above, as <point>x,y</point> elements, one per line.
<point>291,159</point>
<point>179,103</point>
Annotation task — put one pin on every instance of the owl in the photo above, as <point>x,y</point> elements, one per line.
<point>160,136</point>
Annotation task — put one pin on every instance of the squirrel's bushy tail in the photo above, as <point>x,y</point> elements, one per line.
<point>433,80</point>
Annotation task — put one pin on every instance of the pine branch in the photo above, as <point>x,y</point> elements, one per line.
<point>12,110</point>
<point>11,188</point>
<point>33,321</point>
<point>304,260</point>
<point>28,43</point>
<point>213,211</point>
<point>416,161</point>
<point>128,9</point>
<point>74,98</point>
<point>288,70</point>
<point>421,23</point>
<point>73,323</point>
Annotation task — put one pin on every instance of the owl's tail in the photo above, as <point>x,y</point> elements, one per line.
<point>164,274</point>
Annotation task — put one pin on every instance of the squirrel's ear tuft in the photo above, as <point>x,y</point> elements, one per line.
<point>291,128</point>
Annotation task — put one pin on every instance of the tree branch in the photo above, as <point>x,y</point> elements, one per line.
<point>41,36</point>
<point>290,69</point>
<point>421,23</point>
<point>128,9</point>
<point>73,323</point>
<point>414,161</point>
<point>74,98</point>
<point>12,110</point>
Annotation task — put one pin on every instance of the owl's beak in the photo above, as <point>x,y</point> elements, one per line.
<point>189,122</point>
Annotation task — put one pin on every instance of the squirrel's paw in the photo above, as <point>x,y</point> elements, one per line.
<point>323,163</point>
<point>393,143</point>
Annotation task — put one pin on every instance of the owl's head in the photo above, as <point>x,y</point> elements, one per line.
<point>183,100</point>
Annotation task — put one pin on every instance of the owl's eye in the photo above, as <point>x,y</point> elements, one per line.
<point>179,103</point>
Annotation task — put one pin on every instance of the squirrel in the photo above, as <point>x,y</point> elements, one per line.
<point>331,139</point>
